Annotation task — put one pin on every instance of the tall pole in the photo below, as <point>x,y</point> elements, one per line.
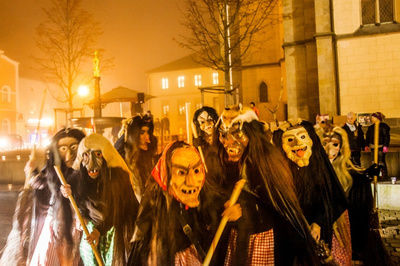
<point>187,109</point>
<point>376,161</point>
<point>96,76</point>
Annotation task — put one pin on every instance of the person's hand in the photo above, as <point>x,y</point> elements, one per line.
<point>315,231</point>
<point>93,237</point>
<point>366,149</point>
<point>66,190</point>
<point>373,170</point>
<point>385,149</point>
<point>197,142</point>
<point>233,213</point>
<point>37,160</point>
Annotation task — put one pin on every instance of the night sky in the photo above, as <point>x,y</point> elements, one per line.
<point>138,34</point>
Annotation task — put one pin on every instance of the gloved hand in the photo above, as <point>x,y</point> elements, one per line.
<point>374,170</point>
<point>385,149</point>
<point>198,142</point>
<point>366,149</point>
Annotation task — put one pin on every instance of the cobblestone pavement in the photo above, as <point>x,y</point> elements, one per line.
<point>390,223</point>
<point>7,206</point>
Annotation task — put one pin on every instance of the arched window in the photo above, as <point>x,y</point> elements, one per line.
<point>263,92</point>
<point>5,126</point>
<point>6,94</point>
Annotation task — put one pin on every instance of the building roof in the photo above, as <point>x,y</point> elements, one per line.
<point>3,56</point>
<point>186,62</point>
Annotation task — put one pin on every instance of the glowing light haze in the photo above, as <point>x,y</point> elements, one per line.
<point>138,34</point>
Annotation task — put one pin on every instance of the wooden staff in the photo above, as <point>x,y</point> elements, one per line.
<point>83,224</point>
<point>234,197</point>
<point>199,147</point>
<point>376,161</point>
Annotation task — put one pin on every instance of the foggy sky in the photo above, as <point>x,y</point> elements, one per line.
<point>138,34</point>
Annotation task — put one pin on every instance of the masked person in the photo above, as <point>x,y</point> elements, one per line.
<point>205,119</point>
<point>272,229</point>
<point>138,146</point>
<point>170,229</point>
<point>43,230</point>
<point>104,194</point>
<point>357,186</point>
<point>321,196</point>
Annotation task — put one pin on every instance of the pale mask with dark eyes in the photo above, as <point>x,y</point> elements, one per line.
<point>297,145</point>
<point>332,144</point>
<point>67,148</point>
<point>234,141</point>
<point>206,123</point>
<point>92,160</point>
<point>187,176</point>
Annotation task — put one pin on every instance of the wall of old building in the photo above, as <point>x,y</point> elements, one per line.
<point>8,94</point>
<point>369,68</point>
<point>300,58</point>
<point>176,98</point>
<point>368,62</point>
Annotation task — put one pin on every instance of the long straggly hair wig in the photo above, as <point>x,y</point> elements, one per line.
<point>274,174</point>
<point>317,182</point>
<point>108,200</point>
<point>161,237</point>
<point>61,206</point>
<point>139,162</point>
<point>342,163</point>
<point>214,116</point>
<point>270,175</point>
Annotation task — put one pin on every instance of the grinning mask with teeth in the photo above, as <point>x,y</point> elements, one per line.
<point>231,134</point>
<point>92,160</point>
<point>206,123</point>
<point>187,176</point>
<point>95,152</point>
<point>297,145</point>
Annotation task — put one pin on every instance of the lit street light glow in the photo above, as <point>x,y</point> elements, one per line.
<point>83,90</point>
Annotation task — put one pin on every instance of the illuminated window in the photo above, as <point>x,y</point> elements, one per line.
<point>181,109</point>
<point>165,109</point>
<point>197,80</point>
<point>181,81</point>
<point>164,83</point>
<point>6,94</point>
<point>215,78</point>
<point>5,126</point>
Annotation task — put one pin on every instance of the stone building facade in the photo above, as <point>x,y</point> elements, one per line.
<point>341,56</point>
<point>261,80</point>
<point>9,94</point>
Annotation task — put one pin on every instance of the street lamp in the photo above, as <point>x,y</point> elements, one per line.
<point>83,90</point>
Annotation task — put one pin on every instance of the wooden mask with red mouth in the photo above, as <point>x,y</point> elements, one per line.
<point>297,145</point>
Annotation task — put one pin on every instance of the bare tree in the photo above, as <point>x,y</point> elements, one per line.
<point>66,40</point>
<point>222,31</point>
